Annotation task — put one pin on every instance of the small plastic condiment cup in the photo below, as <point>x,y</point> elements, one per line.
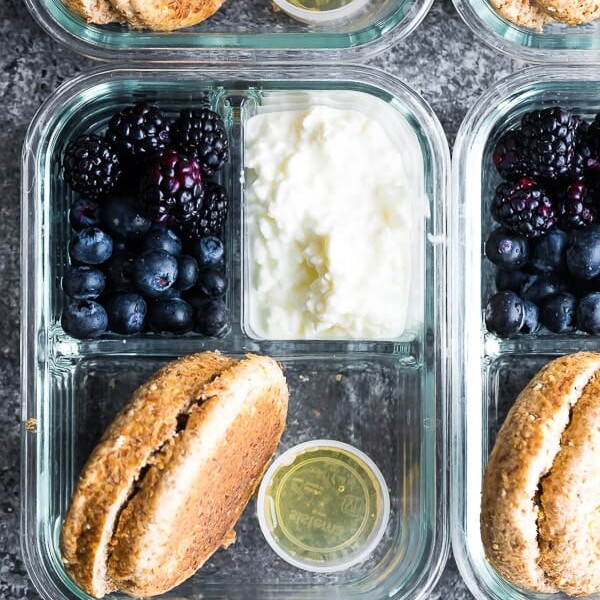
<point>321,17</point>
<point>323,506</point>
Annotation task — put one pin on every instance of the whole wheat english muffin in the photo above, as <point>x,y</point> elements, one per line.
<point>521,12</point>
<point>95,11</point>
<point>159,15</point>
<point>517,531</point>
<point>172,474</point>
<point>123,7</point>
<point>166,15</point>
<point>570,527</point>
<point>572,12</point>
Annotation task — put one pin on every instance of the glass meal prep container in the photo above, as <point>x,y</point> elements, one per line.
<point>557,43</point>
<point>241,29</point>
<point>490,371</point>
<point>387,398</point>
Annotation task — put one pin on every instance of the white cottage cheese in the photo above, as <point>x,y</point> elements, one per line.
<point>331,215</point>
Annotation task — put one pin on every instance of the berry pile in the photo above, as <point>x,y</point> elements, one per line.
<point>146,248</point>
<point>547,244</point>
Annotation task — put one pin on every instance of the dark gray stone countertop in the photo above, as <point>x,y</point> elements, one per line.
<point>442,60</point>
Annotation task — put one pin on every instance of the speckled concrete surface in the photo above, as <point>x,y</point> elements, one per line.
<point>442,60</point>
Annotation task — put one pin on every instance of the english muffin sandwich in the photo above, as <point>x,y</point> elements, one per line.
<point>172,474</point>
<point>541,491</point>
<point>158,15</point>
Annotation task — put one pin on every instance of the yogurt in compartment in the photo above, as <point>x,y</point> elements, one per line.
<point>333,221</point>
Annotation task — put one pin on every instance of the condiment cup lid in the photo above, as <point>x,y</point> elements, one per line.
<point>316,17</point>
<point>323,506</point>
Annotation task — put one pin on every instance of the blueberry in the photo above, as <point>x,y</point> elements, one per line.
<point>187,269</point>
<point>171,294</point>
<point>558,312</point>
<point>83,283</point>
<point>196,298</point>
<point>91,246</point>
<point>212,318</point>
<point>583,253</point>
<point>120,247</point>
<point>539,287</point>
<point>154,272</point>
<point>504,313</point>
<point>588,313</point>
<point>161,238</point>
<point>84,213</point>
<point>507,250</point>
<point>209,251</point>
<point>126,313</point>
<point>119,273</point>
<point>171,316</point>
<point>548,252</point>
<point>84,319</point>
<point>531,320</point>
<point>580,288</point>
<point>211,282</point>
<point>122,217</point>
<point>511,280</point>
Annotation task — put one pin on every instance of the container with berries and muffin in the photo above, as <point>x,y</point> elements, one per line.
<point>526,233</point>
<point>537,31</point>
<point>192,311</point>
<point>217,30</point>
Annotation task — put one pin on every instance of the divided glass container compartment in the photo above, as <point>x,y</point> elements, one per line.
<point>241,30</point>
<point>387,398</point>
<point>557,43</point>
<point>490,372</point>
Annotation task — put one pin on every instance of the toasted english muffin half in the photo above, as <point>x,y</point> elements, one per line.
<point>166,15</point>
<point>99,12</point>
<point>198,485</point>
<point>186,423</point>
<point>572,12</point>
<point>569,524</point>
<point>524,13</point>
<point>525,449</point>
<point>123,7</point>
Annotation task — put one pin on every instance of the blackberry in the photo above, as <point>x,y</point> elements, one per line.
<point>201,134</point>
<point>576,207</point>
<point>91,166</point>
<point>509,156</point>
<point>587,154</point>
<point>212,214</point>
<point>549,137</point>
<point>171,190</point>
<point>523,207</point>
<point>593,140</point>
<point>138,132</point>
<point>594,135</point>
